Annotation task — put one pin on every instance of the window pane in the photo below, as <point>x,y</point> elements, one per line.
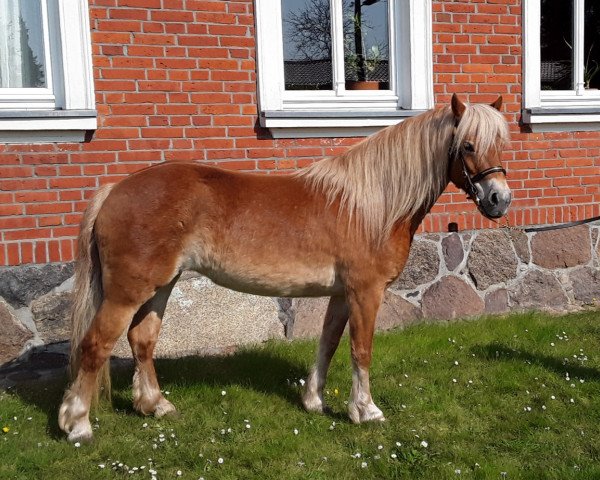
<point>21,44</point>
<point>557,45</point>
<point>366,43</point>
<point>591,49</point>
<point>307,44</point>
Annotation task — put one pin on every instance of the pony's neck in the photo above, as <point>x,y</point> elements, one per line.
<point>394,175</point>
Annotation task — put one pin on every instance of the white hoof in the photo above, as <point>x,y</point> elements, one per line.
<point>73,419</point>
<point>81,433</point>
<point>164,407</point>
<point>313,402</point>
<point>365,413</point>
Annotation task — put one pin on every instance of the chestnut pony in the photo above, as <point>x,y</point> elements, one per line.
<point>341,228</point>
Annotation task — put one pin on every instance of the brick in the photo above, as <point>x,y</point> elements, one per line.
<point>15,172</point>
<point>12,253</point>
<point>54,251</point>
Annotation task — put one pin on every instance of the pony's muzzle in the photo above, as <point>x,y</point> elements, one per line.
<point>496,198</point>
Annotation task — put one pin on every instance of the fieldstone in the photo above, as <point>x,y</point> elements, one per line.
<point>586,285</point>
<point>286,317</point>
<point>497,301</point>
<point>14,335</point>
<point>451,298</point>
<point>395,311</point>
<point>422,266</point>
<point>492,259</point>
<point>594,232</point>
<point>432,237</point>
<point>309,314</point>
<point>52,316</point>
<point>452,248</point>
<point>202,317</point>
<point>20,285</point>
<point>521,244</point>
<point>564,248</point>
<point>596,244</point>
<point>538,290</point>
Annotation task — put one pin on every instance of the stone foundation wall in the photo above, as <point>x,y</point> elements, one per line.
<point>454,275</point>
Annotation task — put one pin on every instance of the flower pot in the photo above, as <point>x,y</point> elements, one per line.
<point>363,85</point>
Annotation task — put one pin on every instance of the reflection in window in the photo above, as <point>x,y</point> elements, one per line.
<point>366,44</point>
<point>557,45</point>
<point>21,44</point>
<point>307,44</point>
<point>591,45</point>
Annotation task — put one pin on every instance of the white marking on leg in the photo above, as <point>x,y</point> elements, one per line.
<point>361,407</point>
<point>73,417</point>
<point>147,398</point>
<point>313,395</point>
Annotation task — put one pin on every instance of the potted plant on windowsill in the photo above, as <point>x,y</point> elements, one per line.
<point>361,63</point>
<point>363,68</point>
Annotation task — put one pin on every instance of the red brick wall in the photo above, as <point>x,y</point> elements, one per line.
<point>175,80</point>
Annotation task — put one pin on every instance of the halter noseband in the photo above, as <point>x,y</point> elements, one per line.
<point>471,181</point>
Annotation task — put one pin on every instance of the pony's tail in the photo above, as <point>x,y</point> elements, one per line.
<point>88,290</point>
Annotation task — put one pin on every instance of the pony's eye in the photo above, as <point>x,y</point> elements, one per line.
<point>468,146</point>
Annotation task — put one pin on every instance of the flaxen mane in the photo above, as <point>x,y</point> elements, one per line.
<point>395,173</point>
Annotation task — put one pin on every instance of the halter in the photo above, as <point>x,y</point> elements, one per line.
<point>470,181</point>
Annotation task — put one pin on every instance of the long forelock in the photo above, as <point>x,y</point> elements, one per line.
<point>485,125</point>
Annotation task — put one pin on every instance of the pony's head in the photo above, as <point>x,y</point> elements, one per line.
<point>480,133</point>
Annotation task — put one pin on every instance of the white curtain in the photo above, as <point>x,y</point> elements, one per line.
<point>21,44</point>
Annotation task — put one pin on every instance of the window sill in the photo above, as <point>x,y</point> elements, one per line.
<point>46,126</point>
<point>343,123</point>
<point>562,119</point>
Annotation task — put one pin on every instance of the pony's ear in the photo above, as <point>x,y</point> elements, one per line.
<point>458,107</point>
<point>497,104</point>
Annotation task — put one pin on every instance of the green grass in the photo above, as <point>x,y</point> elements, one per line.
<point>489,421</point>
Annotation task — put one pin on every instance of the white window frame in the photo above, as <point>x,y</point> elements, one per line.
<point>19,98</point>
<point>341,112</point>
<point>65,110</point>
<point>557,110</point>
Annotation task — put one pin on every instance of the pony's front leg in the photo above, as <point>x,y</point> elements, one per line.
<point>364,305</point>
<point>333,327</point>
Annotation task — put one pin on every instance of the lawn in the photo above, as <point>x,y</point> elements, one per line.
<point>515,397</point>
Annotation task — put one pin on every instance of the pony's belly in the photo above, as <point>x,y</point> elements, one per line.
<point>297,281</point>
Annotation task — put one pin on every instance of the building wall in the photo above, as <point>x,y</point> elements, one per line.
<point>175,80</point>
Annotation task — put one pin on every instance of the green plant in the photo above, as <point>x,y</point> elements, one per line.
<point>363,67</point>
<point>590,70</point>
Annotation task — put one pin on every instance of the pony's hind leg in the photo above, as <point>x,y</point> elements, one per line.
<point>333,327</point>
<point>108,324</point>
<point>142,336</point>
<point>363,312</point>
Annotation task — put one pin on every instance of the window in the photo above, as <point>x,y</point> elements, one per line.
<point>562,64</point>
<point>342,67</point>
<point>46,82</point>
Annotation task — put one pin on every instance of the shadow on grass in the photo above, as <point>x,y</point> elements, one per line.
<point>497,351</point>
<point>257,369</point>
